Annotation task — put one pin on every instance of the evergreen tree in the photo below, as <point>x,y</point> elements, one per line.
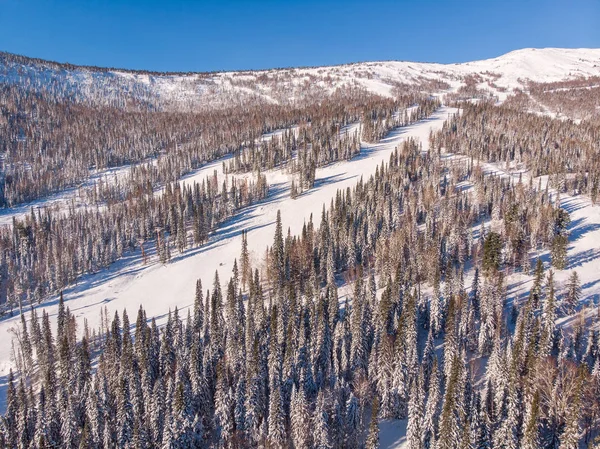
<point>492,248</point>
<point>246,270</point>
<point>549,316</point>
<point>277,252</point>
<point>531,435</point>
<point>321,431</point>
<point>373,436</point>
<point>560,241</point>
<point>432,410</point>
<point>300,420</point>
<point>353,422</point>
<point>414,429</point>
<point>449,430</point>
<point>536,290</point>
<point>573,292</point>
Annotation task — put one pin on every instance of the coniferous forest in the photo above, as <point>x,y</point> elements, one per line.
<point>394,305</point>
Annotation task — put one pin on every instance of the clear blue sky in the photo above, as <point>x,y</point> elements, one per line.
<point>178,35</point>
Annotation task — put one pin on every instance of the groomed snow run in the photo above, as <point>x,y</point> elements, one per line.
<point>128,283</point>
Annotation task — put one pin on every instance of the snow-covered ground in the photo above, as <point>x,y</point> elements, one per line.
<point>584,239</point>
<point>498,75</point>
<point>76,196</point>
<point>73,196</point>
<point>127,284</point>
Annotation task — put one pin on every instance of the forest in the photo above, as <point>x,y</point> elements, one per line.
<point>276,361</point>
<point>395,305</point>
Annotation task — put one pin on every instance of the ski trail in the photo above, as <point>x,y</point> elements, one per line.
<point>127,284</point>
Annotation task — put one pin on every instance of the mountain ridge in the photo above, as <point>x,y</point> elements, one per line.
<point>24,59</point>
<point>496,77</point>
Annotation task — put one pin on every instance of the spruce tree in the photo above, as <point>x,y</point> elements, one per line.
<point>536,290</point>
<point>531,435</point>
<point>414,429</point>
<point>492,247</point>
<point>373,435</point>
<point>573,293</point>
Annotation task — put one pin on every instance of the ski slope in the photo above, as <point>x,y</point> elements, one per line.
<point>498,76</point>
<point>127,284</point>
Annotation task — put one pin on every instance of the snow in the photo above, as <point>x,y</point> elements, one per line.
<point>583,252</point>
<point>68,197</point>
<point>583,257</point>
<point>127,284</point>
<point>186,90</point>
<point>392,433</point>
<point>75,196</point>
<point>192,90</point>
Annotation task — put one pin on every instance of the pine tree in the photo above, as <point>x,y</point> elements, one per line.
<point>69,431</point>
<point>558,252</point>
<point>10,416</point>
<point>125,415</point>
<point>531,435</point>
<point>26,346</point>
<point>240,407</point>
<point>492,247</point>
<point>277,252</point>
<point>224,420</point>
<point>506,436</point>
<point>352,423</point>
<point>414,429</point>
<point>432,410</point>
<point>246,270</point>
<point>549,316</point>
<point>560,241</point>
<point>536,291</point>
<point>475,298</point>
<point>449,431</point>
<point>321,431</point>
<point>373,436</point>
<point>300,420</point>
<point>573,292</point>
<point>277,434</point>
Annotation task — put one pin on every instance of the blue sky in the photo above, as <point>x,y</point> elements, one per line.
<point>177,35</point>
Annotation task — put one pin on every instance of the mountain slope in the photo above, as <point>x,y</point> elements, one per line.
<point>182,91</point>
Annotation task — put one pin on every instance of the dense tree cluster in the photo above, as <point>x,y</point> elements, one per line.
<point>274,361</point>
<point>577,99</point>
<point>322,138</point>
<point>46,250</point>
<point>272,358</point>
<point>565,151</point>
<point>48,145</point>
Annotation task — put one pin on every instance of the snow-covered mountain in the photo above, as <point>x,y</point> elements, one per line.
<point>498,76</point>
<point>468,204</point>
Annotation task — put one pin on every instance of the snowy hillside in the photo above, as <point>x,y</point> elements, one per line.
<point>498,76</point>
<point>128,284</point>
<point>420,224</point>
